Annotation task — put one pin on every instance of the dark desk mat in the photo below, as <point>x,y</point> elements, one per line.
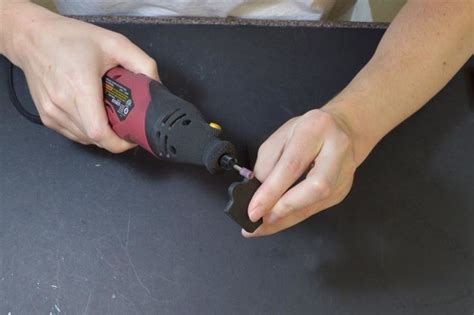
<point>84,231</point>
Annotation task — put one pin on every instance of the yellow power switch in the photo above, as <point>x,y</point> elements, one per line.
<point>215,126</point>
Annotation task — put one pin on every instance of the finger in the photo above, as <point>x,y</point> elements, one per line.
<point>70,110</point>
<point>56,126</point>
<point>272,227</point>
<point>94,118</point>
<point>296,158</point>
<point>318,185</point>
<point>131,57</point>
<point>71,136</point>
<point>65,121</point>
<point>269,153</point>
<point>74,129</point>
<point>55,118</point>
<point>64,100</point>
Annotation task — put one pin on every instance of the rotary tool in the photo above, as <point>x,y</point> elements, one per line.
<point>143,111</point>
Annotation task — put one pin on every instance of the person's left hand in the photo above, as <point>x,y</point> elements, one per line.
<point>317,143</point>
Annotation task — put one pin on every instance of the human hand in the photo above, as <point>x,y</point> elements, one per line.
<point>64,60</point>
<point>318,143</point>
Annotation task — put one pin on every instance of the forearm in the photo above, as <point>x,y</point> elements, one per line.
<point>423,48</point>
<point>8,15</point>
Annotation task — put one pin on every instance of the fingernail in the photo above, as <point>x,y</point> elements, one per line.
<point>255,214</point>
<point>247,234</point>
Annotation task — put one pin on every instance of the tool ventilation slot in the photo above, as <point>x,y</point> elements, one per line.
<point>176,120</point>
<point>170,120</point>
<point>160,147</point>
<point>169,115</point>
<point>166,146</point>
<point>173,150</point>
<point>162,144</point>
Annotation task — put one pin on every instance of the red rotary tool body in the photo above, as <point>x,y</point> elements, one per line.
<point>145,112</point>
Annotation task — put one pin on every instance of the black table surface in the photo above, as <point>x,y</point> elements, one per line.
<point>83,231</point>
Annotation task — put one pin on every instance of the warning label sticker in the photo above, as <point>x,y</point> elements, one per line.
<point>119,96</point>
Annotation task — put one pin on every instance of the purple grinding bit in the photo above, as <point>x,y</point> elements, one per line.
<point>228,162</point>
<point>244,172</point>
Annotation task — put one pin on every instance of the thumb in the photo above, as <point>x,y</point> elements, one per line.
<point>133,58</point>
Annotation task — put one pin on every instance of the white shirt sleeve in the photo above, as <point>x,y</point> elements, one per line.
<point>252,9</point>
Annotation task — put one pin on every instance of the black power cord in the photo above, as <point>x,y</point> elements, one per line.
<point>16,102</point>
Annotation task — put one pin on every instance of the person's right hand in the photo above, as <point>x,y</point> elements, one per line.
<point>64,60</point>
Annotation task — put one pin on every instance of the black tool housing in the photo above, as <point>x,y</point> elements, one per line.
<point>177,132</point>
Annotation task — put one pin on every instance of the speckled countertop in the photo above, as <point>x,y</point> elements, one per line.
<point>230,21</point>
